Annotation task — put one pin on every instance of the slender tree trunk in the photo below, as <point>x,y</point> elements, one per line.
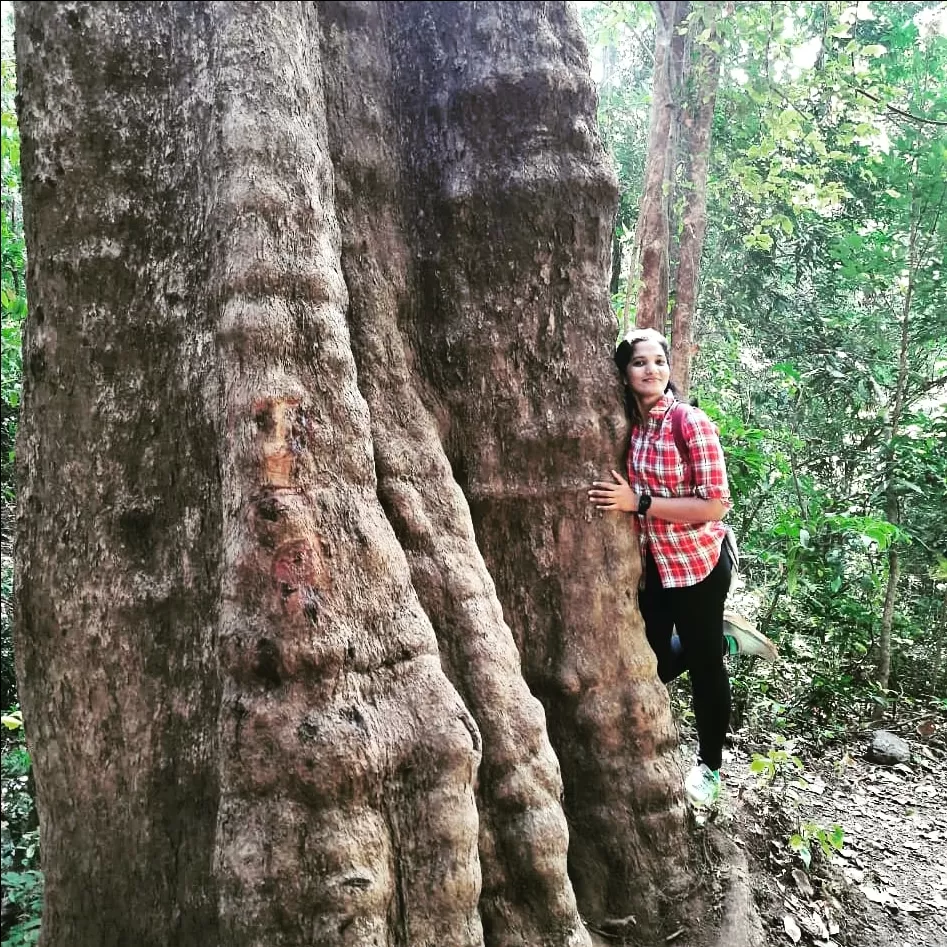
<point>679,68</point>
<point>648,265</point>
<point>883,668</point>
<point>892,503</point>
<point>697,126</point>
<point>672,216</point>
<point>318,641</point>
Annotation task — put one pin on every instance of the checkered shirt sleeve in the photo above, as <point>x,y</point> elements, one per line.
<point>708,468</point>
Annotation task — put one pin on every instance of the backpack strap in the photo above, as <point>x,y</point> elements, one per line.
<point>680,442</point>
<point>677,429</point>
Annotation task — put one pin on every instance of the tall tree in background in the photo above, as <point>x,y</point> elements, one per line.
<point>672,217</point>
<point>647,279</point>
<point>315,291</point>
<point>698,99</point>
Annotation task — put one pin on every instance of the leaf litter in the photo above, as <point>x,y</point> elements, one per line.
<point>887,881</point>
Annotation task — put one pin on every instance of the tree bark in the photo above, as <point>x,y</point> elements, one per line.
<point>318,641</point>
<point>682,38</point>
<point>892,501</point>
<point>665,260</point>
<point>648,264</point>
<point>697,115</point>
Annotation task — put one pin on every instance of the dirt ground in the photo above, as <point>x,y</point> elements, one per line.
<point>886,885</point>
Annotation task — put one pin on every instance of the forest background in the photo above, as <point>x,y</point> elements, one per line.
<point>820,351</point>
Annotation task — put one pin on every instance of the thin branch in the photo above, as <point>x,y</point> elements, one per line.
<point>928,386</point>
<point>920,119</point>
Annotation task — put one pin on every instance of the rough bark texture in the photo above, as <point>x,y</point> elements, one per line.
<point>648,267</point>
<point>526,897</point>
<point>696,121</point>
<point>120,521</point>
<point>515,238</point>
<point>319,335</point>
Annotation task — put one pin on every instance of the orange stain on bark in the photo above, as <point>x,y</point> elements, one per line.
<point>274,418</point>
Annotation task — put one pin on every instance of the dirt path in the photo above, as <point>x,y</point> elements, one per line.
<point>886,887</point>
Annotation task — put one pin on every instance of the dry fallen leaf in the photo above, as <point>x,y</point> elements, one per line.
<point>875,896</point>
<point>814,926</point>
<point>792,929</point>
<point>803,883</point>
<point>854,874</point>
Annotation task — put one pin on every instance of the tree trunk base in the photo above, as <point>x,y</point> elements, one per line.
<point>740,924</point>
<point>721,912</point>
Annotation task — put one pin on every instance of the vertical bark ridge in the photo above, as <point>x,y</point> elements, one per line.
<point>527,898</point>
<point>513,333</point>
<point>329,664</point>
<point>116,585</point>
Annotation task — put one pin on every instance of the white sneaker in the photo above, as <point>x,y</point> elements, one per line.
<point>747,638</point>
<point>702,786</point>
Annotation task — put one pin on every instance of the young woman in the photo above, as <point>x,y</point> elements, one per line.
<point>676,508</point>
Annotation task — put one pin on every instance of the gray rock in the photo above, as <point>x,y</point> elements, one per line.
<point>888,749</point>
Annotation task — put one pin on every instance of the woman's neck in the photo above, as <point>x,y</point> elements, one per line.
<point>646,404</point>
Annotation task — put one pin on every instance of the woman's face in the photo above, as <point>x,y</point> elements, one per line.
<point>648,371</point>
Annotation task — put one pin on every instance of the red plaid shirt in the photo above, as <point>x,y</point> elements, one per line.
<point>685,553</point>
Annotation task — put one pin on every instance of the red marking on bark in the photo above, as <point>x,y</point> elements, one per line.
<point>299,573</point>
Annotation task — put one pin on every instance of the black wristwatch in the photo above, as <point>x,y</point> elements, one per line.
<point>644,504</point>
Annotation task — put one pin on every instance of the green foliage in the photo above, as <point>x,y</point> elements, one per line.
<point>7,678</point>
<point>25,890</point>
<point>814,837</point>
<point>776,771</point>
<point>776,765</point>
<point>822,333</point>
<point>13,313</point>
<point>13,268</point>
<point>19,836</point>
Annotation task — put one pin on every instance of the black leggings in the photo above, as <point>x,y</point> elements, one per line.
<point>697,612</point>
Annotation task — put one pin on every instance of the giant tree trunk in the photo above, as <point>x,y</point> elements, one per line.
<point>319,335</point>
